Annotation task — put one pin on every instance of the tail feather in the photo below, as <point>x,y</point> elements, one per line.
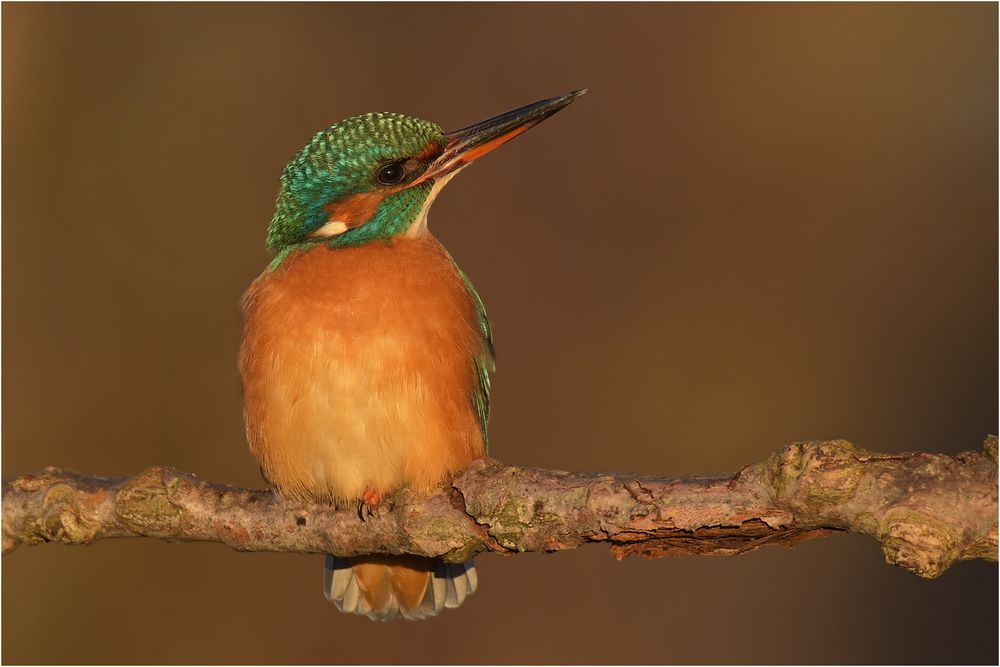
<point>385,587</point>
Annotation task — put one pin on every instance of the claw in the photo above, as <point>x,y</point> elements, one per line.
<point>366,508</point>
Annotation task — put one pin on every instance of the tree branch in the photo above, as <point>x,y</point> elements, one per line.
<point>927,510</point>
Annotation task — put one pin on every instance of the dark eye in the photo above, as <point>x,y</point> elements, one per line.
<point>391,174</point>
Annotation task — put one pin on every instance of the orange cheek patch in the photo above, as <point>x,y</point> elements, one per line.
<point>354,210</point>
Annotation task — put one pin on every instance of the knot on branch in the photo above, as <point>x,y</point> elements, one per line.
<point>64,519</point>
<point>69,508</point>
<point>909,502</point>
<point>990,447</point>
<point>811,476</point>
<point>918,543</point>
<point>143,503</point>
<point>517,506</point>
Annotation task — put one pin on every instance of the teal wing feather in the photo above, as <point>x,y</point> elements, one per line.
<point>485,362</point>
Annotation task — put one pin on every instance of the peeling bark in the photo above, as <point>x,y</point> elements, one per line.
<point>927,510</point>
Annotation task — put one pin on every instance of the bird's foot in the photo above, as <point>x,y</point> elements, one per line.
<point>369,503</point>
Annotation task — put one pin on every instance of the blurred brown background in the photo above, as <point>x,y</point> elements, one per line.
<point>766,223</point>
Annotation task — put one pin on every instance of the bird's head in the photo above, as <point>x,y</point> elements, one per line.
<point>374,176</point>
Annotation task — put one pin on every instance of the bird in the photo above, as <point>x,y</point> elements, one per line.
<point>366,355</point>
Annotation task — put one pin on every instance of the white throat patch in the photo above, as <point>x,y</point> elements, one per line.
<point>419,226</point>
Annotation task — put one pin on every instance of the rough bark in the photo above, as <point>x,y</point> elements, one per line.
<point>927,510</point>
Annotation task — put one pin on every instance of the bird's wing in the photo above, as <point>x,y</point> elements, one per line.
<point>485,362</point>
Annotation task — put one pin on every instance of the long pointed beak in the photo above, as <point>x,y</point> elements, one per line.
<point>471,143</point>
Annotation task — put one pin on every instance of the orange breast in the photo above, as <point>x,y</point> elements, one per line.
<point>357,367</point>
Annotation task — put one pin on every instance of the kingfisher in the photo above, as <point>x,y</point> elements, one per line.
<point>366,353</point>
